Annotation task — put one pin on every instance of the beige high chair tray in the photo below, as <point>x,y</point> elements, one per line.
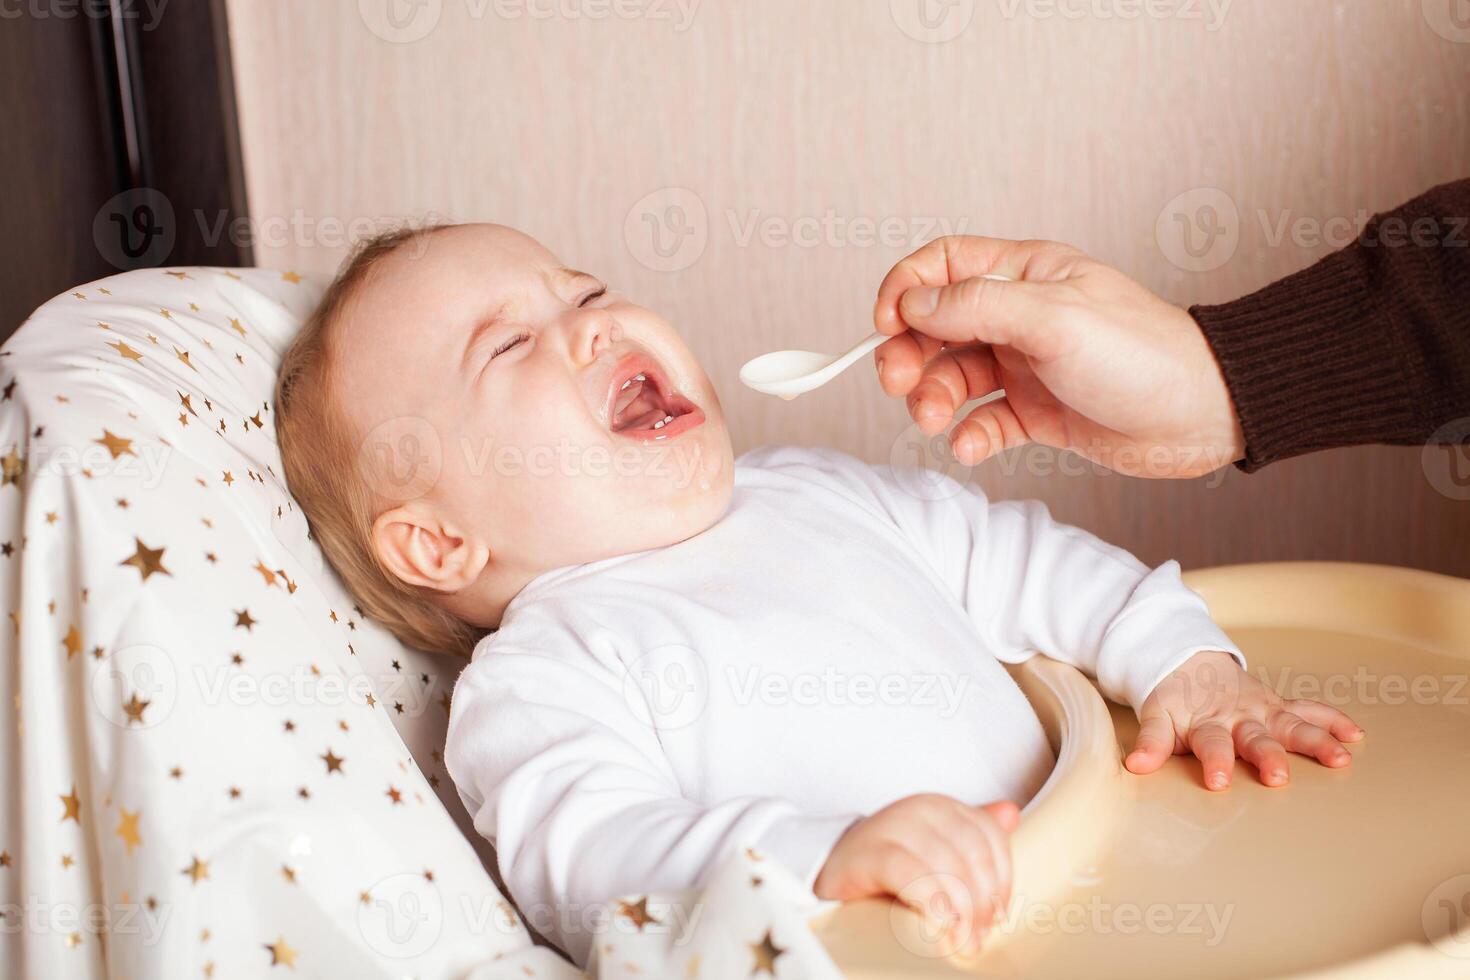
<point>1362,872</point>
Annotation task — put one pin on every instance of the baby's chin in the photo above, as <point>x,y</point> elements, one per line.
<point>709,498</point>
<point>693,501</point>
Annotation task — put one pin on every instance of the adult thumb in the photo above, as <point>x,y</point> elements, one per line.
<point>991,311</point>
<point>1005,813</point>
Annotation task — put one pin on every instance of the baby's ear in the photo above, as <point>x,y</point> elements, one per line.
<point>421,550</point>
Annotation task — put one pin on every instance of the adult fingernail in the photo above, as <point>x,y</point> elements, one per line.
<point>964,450</point>
<point>922,301</point>
<point>880,367</point>
<point>1217,780</point>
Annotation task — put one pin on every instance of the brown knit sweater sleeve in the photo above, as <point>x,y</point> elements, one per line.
<point>1370,345</point>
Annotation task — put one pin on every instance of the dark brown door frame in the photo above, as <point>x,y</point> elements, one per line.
<point>119,144</point>
<point>167,86</point>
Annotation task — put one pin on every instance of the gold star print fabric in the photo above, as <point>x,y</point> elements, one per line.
<point>750,919</point>
<point>189,701</point>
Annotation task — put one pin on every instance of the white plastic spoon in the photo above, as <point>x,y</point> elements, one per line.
<point>788,373</point>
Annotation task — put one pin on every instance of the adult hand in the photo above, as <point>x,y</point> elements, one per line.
<point>1090,360</point>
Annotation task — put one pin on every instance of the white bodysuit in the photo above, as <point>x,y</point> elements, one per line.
<point>833,644</point>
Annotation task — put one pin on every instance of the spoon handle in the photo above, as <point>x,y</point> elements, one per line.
<point>871,342</point>
<point>867,346</point>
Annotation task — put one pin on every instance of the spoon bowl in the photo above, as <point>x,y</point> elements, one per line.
<point>788,373</point>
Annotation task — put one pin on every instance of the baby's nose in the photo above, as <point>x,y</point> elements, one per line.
<point>595,332</point>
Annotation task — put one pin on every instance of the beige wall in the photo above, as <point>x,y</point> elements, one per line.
<point>1030,122</point>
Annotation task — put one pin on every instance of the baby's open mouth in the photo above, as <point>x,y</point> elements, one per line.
<point>641,404</point>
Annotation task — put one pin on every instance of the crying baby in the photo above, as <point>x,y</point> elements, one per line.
<point>675,654</point>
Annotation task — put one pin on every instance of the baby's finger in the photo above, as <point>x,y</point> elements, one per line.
<point>1305,738</point>
<point>941,899</point>
<point>1256,746</point>
<point>992,428</point>
<point>1343,728</point>
<point>1005,813</point>
<point>982,857</point>
<point>983,889</point>
<point>994,846</point>
<point>1212,744</point>
<point>975,879</point>
<point>965,888</point>
<point>1154,745</point>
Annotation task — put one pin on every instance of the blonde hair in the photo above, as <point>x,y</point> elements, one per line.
<point>317,450</point>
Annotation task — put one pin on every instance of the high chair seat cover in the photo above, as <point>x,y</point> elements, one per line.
<point>212,764</point>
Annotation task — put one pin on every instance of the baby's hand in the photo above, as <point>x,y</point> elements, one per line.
<point>948,860</point>
<point>1210,707</point>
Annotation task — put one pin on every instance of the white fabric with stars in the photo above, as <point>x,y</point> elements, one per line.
<point>212,764</point>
